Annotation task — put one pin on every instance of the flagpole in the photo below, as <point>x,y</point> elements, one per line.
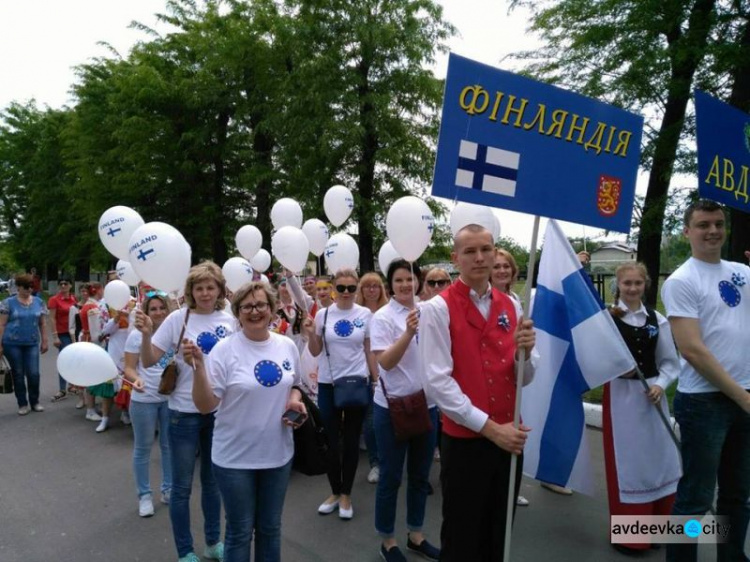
<point>519,384</point>
<point>664,419</point>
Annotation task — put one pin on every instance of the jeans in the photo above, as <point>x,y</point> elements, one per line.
<point>253,501</point>
<point>343,428</point>
<point>715,444</point>
<point>24,364</point>
<point>370,441</point>
<point>146,416</point>
<point>188,434</point>
<point>65,341</point>
<point>418,453</point>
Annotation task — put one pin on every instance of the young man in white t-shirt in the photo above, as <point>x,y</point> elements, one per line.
<point>708,305</point>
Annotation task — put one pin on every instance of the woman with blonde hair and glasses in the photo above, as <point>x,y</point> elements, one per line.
<point>372,294</point>
<point>204,322</point>
<point>341,342</point>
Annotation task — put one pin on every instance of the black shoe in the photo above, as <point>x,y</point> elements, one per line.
<point>393,554</point>
<point>424,549</point>
<point>627,551</point>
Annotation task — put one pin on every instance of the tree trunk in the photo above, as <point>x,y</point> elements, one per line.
<point>739,236</point>
<point>366,171</point>
<point>217,221</point>
<point>686,53</point>
<point>263,144</point>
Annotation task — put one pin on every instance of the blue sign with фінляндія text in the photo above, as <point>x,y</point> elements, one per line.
<point>723,136</point>
<point>514,143</point>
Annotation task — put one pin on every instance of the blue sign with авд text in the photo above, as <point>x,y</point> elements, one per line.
<point>723,135</point>
<point>511,142</point>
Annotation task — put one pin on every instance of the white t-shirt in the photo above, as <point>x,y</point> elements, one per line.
<point>388,324</point>
<point>345,335</point>
<point>253,381</point>
<point>718,295</point>
<point>206,330</point>
<point>150,376</point>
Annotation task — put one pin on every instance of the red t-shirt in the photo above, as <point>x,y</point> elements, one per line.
<point>61,306</point>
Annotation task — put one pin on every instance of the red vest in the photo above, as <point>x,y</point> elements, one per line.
<point>483,355</point>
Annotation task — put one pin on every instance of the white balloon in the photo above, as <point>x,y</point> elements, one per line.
<point>116,226</point>
<point>291,248</point>
<point>286,212</point>
<point>496,229</point>
<point>248,241</point>
<point>341,252</point>
<point>464,214</point>
<point>317,235</point>
<point>160,256</point>
<point>264,279</point>
<point>386,255</point>
<point>338,204</point>
<point>261,261</point>
<point>237,272</point>
<point>409,225</point>
<point>117,294</point>
<point>126,273</point>
<point>85,364</point>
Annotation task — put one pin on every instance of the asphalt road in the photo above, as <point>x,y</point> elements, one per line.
<point>67,494</point>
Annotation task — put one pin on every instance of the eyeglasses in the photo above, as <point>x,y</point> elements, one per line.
<point>372,287</point>
<point>155,293</point>
<point>27,287</point>
<point>341,289</point>
<point>259,306</point>
<point>438,283</point>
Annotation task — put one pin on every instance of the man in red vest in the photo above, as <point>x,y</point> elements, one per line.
<point>468,338</point>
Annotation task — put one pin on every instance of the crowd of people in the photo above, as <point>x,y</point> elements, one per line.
<point>419,365</point>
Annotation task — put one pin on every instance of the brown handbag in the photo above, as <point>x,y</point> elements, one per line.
<point>410,416</point>
<point>168,381</point>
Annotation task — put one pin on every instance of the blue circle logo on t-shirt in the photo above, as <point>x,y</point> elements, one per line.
<point>729,293</point>
<point>343,328</point>
<point>206,341</point>
<point>268,373</point>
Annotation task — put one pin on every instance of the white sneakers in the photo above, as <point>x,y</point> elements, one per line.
<point>326,508</point>
<point>346,514</point>
<point>125,418</point>
<point>91,415</point>
<point>374,475</point>
<point>145,505</point>
<point>102,425</point>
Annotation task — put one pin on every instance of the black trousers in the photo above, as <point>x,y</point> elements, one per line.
<point>474,478</point>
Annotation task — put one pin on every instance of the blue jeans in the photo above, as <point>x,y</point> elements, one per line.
<point>65,341</point>
<point>369,431</point>
<point>188,434</point>
<point>24,364</point>
<point>145,417</point>
<point>715,443</point>
<point>418,453</point>
<point>253,501</point>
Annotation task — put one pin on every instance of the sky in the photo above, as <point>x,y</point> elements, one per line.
<point>42,40</point>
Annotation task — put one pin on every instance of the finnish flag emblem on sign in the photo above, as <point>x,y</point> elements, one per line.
<point>487,168</point>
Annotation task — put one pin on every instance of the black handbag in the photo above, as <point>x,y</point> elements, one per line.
<point>6,377</point>
<point>352,391</point>
<point>310,442</point>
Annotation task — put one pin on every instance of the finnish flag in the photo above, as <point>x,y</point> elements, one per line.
<point>487,168</point>
<point>579,349</point>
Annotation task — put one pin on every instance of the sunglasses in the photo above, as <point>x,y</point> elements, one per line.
<point>438,283</point>
<point>155,293</point>
<point>341,289</point>
<point>260,307</point>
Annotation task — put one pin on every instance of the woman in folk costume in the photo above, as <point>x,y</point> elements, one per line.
<point>641,460</point>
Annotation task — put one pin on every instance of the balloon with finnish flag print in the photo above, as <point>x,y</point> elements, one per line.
<point>117,294</point>
<point>248,240</point>
<point>237,272</point>
<point>116,226</point>
<point>291,247</point>
<point>126,273</point>
<point>261,261</point>
<point>341,252</point>
<point>338,204</point>
<point>409,225</point>
<point>160,256</point>
<point>85,364</point>
<point>286,212</point>
<point>464,214</point>
<point>386,255</point>
<point>317,235</point>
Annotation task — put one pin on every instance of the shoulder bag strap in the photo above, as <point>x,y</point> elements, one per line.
<point>182,332</point>
<point>325,347</point>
